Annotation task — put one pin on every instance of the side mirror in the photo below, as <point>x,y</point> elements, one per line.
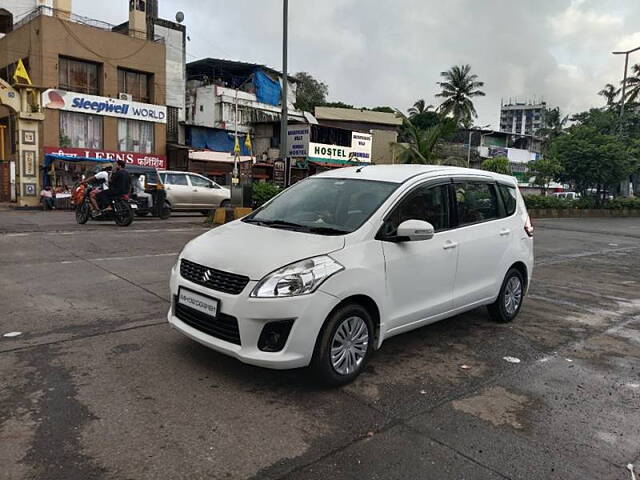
<point>415,230</point>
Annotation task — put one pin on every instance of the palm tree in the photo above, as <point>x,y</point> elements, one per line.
<point>633,84</point>
<point>420,144</point>
<point>610,93</point>
<point>458,88</point>
<point>554,124</point>
<point>419,107</point>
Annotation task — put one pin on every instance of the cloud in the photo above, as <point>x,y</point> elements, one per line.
<point>391,52</point>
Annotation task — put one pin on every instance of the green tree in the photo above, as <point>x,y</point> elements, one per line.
<point>310,92</point>
<point>497,164</point>
<point>610,93</point>
<point>633,84</point>
<point>544,171</point>
<point>419,146</point>
<point>384,109</point>
<point>419,107</point>
<point>336,105</point>
<point>591,159</point>
<point>459,87</point>
<point>554,124</point>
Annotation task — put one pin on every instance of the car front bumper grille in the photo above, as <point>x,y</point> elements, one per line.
<point>224,327</point>
<point>211,278</point>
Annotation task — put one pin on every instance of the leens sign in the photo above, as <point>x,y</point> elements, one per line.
<point>132,158</point>
<point>110,107</point>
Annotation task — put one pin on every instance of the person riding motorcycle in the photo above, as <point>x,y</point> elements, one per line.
<point>119,184</point>
<point>101,178</point>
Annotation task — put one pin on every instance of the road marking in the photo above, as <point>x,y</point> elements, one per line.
<point>73,232</point>
<point>172,254</point>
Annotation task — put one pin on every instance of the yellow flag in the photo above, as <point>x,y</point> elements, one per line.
<point>236,148</point>
<point>21,73</point>
<point>247,142</point>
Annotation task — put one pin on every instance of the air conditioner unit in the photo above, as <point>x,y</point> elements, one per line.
<point>125,96</point>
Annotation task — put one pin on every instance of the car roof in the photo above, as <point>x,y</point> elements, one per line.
<point>403,173</point>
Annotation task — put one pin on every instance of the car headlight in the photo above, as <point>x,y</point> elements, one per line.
<point>299,278</point>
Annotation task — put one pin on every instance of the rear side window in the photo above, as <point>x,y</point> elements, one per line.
<point>509,198</point>
<point>476,201</point>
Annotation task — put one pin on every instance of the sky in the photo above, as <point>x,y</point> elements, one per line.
<point>391,52</point>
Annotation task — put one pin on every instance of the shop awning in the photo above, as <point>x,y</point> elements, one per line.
<point>211,156</point>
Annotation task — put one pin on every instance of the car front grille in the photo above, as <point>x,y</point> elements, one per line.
<point>211,278</point>
<point>224,327</point>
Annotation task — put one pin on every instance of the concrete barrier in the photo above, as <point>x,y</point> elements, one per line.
<point>221,215</point>
<point>584,212</point>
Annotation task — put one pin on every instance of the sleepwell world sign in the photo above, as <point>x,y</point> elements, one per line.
<point>110,107</point>
<point>300,146</point>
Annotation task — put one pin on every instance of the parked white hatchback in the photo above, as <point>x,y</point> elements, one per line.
<point>326,271</point>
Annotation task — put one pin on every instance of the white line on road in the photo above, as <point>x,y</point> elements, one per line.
<point>73,232</point>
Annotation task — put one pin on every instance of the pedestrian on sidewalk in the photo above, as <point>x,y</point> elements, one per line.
<point>46,198</point>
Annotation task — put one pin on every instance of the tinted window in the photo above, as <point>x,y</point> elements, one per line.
<point>340,204</point>
<point>477,202</point>
<point>199,181</point>
<point>509,199</point>
<point>176,179</point>
<point>429,204</point>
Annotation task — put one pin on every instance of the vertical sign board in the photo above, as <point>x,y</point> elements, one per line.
<point>298,140</point>
<point>279,173</point>
<point>360,147</point>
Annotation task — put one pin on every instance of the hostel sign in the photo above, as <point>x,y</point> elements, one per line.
<point>110,107</point>
<point>300,146</point>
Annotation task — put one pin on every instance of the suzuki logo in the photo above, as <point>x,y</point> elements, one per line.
<point>206,276</point>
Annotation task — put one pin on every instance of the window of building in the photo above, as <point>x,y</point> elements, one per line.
<point>477,202</point>
<point>79,130</point>
<point>78,76</point>
<point>136,84</point>
<point>135,136</point>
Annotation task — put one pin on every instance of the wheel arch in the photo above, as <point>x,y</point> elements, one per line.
<point>522,268</point>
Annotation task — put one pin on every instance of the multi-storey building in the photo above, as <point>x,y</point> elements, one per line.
<point>524,118</point>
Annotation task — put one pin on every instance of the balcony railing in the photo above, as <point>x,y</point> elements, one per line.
<point>72,17</point>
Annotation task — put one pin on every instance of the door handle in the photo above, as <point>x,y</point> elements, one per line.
<point>504,232</point>
<point>195,190</point>
<point>448,245</point>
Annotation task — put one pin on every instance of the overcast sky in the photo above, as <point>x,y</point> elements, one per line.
<point>390,52</point>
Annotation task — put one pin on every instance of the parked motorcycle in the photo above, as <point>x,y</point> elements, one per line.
<point>121,211</point>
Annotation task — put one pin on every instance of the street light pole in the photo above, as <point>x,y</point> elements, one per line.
<point>283,116</point>
<point>624,79</point>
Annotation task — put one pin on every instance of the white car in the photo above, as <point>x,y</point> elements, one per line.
<point>327,270</point>
<point>191,191</point>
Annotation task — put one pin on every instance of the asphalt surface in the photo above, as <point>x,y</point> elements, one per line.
<point>98,386</point>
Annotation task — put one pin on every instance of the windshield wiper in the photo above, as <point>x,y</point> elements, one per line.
<point>276,223</point>
<point>328,230</point>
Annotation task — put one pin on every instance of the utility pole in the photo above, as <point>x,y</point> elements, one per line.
<point>283,116</point>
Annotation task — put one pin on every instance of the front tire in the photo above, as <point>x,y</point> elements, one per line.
<point>225,204</point>
<point>344,346</point>
<point>509,301</point>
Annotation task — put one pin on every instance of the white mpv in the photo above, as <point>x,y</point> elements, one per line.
<point>323,273</point>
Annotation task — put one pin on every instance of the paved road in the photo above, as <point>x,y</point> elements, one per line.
<point>98,386</point>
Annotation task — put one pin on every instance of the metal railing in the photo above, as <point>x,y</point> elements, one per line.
<point>72,17</point>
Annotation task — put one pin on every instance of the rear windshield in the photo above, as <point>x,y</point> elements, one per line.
<point>325,205</point>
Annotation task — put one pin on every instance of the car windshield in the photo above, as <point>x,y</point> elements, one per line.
<point>326,206</point>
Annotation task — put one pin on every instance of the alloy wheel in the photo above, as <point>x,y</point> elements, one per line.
<point>349,345</point>
<point>512,295</point>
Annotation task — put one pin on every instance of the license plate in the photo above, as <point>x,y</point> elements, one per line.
<point>201,303</point>
<point>134,206</point>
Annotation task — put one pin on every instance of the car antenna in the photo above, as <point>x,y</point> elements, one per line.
<point>360,168</point>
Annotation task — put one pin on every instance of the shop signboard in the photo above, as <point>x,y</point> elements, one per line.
<point>361,147</point>
<point>131,158</point>
<point>279,173</point>
<point>298,140</point>
<point>110,107</point>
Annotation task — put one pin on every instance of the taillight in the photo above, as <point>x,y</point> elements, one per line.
<point>528,227</point>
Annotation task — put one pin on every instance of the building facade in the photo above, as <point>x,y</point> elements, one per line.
<point>103,92</point>
<point>524,118</point>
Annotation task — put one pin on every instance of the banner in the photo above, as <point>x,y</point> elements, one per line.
<point>110,107</point>
<point>131,158</point>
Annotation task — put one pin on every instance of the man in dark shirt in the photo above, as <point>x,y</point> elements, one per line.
<point>120,184</point>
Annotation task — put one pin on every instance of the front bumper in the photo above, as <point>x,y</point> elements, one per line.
<point>308,313</point>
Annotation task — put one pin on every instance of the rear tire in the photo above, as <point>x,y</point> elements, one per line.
<point>82,213</point>
<point>509,301</point>
<point>123,213</point>
<point>344,346</point>
<point>225,204</point>
<point>165,213</point>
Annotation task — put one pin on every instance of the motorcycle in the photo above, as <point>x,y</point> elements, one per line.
<point>121,211</point>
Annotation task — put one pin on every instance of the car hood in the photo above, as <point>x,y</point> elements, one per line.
<point>254,250</point>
